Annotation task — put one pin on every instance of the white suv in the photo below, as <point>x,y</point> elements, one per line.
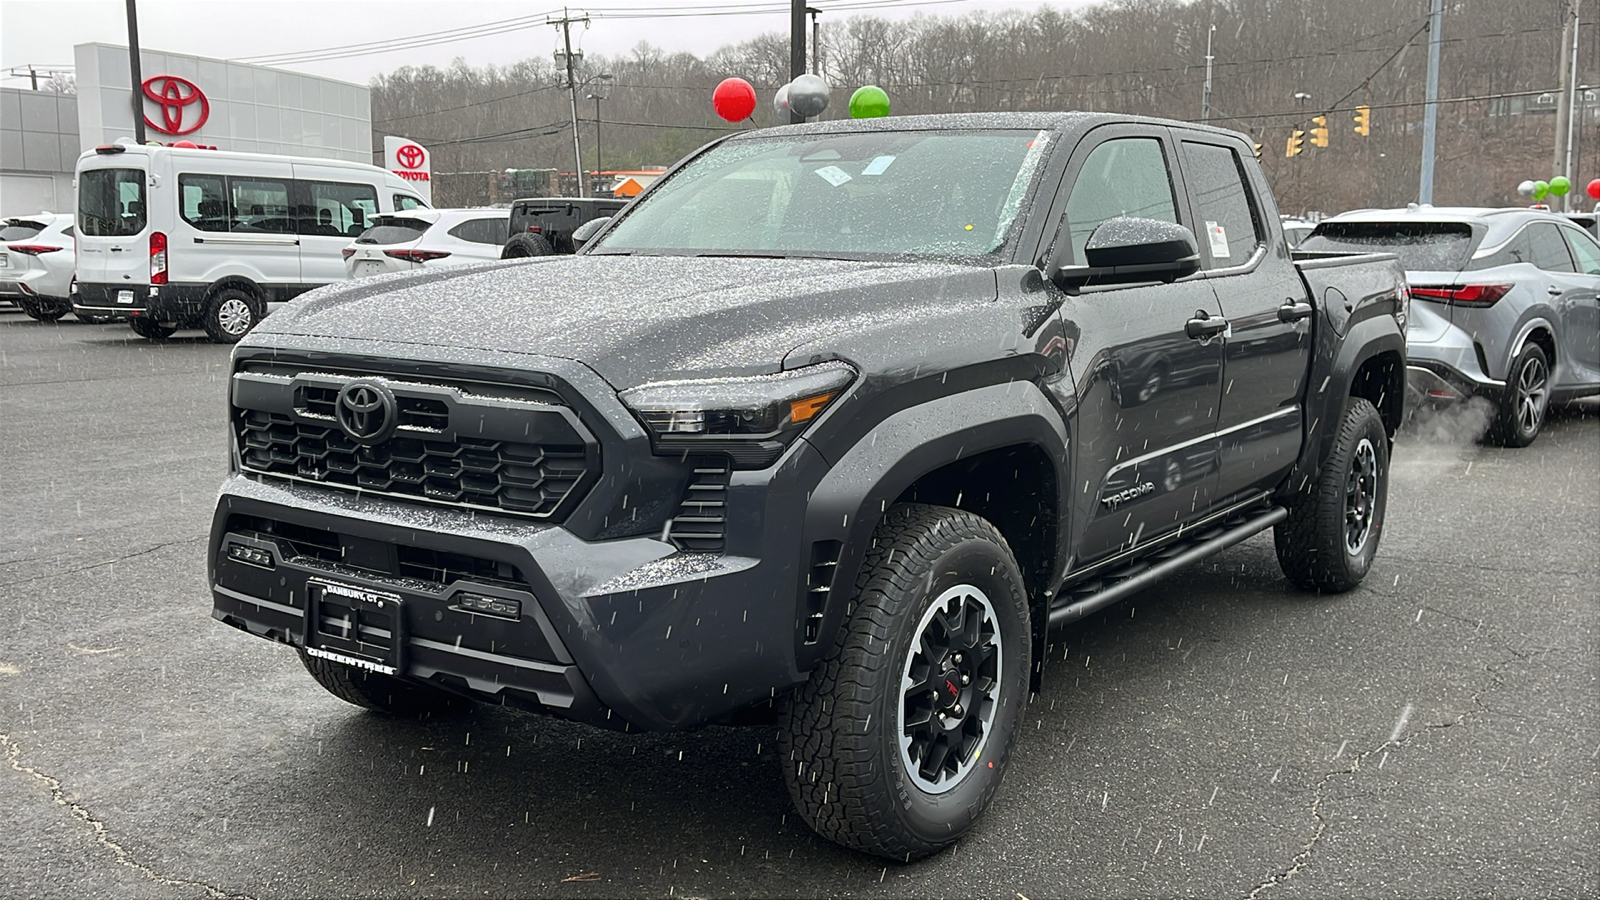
<point>36,257</point>
<point>406,241</point>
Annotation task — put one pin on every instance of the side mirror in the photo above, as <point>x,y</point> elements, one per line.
<point>587,230</point>
<point>1127,249</point>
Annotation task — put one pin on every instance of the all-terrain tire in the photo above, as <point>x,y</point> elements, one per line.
<point>383,693</point>
<point>522,245</point>
<point>1331,536</point>
<point>150,329</point>
<point>230,314</point>
<point>1522,410</point>
<point>933,577</point>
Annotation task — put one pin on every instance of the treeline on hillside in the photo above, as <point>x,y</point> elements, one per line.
<point>1134,56</point>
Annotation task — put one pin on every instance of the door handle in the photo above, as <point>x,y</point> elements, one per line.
<point>1204,326</point>
<point>1294,311</point>
<point>1554,290</point>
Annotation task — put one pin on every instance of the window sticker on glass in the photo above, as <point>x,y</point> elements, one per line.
<point>878,166</point>
<point>834,175</point>
<point>1219,240</point>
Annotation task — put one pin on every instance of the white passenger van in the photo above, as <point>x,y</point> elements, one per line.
<point>173,237</point>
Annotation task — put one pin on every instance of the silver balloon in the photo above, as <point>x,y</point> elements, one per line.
<point>780,101</point>
<point>808,95</point>
<point>1526,189</point>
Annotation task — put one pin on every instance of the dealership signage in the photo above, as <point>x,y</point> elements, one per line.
<point>183,107</point>
<point>412,162</point>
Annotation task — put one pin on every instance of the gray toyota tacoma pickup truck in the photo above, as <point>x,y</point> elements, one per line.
<point>833,424</point>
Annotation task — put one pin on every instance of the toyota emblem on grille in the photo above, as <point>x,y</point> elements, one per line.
<point>366,411</point>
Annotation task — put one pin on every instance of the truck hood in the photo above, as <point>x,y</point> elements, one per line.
<point>635,319</point>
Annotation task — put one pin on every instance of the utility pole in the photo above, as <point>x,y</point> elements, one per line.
<point>1430,115</point>
<point>565,22</point>
<point>797,48</point>
<point>1562,164</point>
<point>816,39</point>
<point>138,77</point>
<point>1205,93</point>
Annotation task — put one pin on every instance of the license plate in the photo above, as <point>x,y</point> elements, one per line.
<point>124,296</point>
<point>369,267</point>
<point>356,626</point>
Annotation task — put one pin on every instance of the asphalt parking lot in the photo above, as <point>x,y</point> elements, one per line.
<point>1434,733</point>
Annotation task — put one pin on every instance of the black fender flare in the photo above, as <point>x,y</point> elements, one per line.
<point>1332,375</point>
<point>849,501</point>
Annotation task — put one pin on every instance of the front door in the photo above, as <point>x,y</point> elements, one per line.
<point>1577,307</point>
<point>1145,448</point>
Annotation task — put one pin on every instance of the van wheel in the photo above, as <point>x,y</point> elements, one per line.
<point>230,315</point>
<point>1331,536</point>
<point>898,742</point>
<point>382,693</point>
<point>151,329</point>
<point>522,245</point>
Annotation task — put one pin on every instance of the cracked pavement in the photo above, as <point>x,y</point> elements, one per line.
<point>1434,733</point>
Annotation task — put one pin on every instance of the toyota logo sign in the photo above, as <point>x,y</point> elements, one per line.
<point>175,96</point>
<point>410,156</point>
<point>365,411</point>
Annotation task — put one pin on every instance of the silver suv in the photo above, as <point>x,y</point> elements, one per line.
<point>1505,305</point>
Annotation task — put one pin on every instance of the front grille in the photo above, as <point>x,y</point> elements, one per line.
<point>450,446</point>
<point>303,543</point>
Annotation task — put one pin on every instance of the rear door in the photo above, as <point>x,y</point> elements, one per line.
<point>1267,348</point>
<point>113,249</point>
<point>1145,451</point>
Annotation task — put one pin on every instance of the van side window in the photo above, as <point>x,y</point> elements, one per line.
<point>336,209</point>
<point>406,201</point>
<point>260,206</point>
<point>1223,205</point>
<point>1122,177</point>
<point>203,201</point>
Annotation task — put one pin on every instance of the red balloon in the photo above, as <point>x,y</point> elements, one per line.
<point>187,145</point>
<point>734,99</point>
<point>1594,188</point>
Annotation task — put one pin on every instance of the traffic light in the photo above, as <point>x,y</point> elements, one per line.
<point>1319,133</point>
<point>1294,149</point>
<point>1363,120</point>
<point>1257,146</point>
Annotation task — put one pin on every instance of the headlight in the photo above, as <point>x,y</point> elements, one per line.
<point>751,419</point>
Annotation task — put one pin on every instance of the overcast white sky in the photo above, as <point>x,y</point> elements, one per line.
<point>43,32</point>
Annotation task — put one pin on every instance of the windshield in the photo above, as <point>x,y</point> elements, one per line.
<point>111,202</point>
<point>882,193</point>
<point>1421,246</point>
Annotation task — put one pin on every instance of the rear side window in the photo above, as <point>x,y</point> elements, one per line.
<point>336,209</point>
<point>203,201</point>
<point>481,231</point>
<point>111,202</point>
<point>1549,250</point>
<point>261,205</point>
<point>20,231</point>
<point>1124,177</point>
<point>393,230</point>
<point>1421,246</point>
<point>1223,204</point>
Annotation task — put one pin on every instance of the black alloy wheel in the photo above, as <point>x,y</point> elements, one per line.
<point>1331,536</point>
<point>1526,400</point>
<point>1360,497</point>
<point>950,689</point>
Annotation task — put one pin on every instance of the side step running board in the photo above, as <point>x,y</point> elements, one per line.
<point>1145,573</point>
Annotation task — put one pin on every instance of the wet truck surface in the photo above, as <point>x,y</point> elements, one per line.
<point>828,428</point>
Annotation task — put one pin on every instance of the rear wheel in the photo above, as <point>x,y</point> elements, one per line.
<point>522,245</point>
<point>1527,399</point>
<point>898,742</point>
<point>382,693</point>
<point>230,315</point>
<point>1331,536</point>
<point>151,329</point>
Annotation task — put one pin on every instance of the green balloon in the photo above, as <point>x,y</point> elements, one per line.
<point>869,102</point>
<point>1540,188</point>
<point>1559,185</point>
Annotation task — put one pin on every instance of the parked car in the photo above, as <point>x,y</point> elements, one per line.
<point>1505,305</point>
<point>405,241</point>
<point>826,428</point>
<point>541,226</point>
<point>1588,221</point>
<point>1296,229</point>
<point>175,237</point>
<point>36,259</point>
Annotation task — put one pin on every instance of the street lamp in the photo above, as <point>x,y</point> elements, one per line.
<point>597,96</point>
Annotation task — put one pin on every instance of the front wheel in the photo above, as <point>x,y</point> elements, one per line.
<point>898,742</point>
<point>230,315</point>
<point>1527,398</point>
<point>1331,536</point>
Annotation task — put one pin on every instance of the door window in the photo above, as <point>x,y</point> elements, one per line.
<point>336,209</point>
<point>1549,250</point>
<point>111,202</point>
<point>1584,250</point>
<point>203,201</point>
<point>1123,177</point>
<point>1225,210</point>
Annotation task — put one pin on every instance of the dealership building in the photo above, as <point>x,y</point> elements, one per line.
<point>209,102</point>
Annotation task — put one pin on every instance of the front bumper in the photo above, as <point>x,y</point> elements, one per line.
<point>624,633</point>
